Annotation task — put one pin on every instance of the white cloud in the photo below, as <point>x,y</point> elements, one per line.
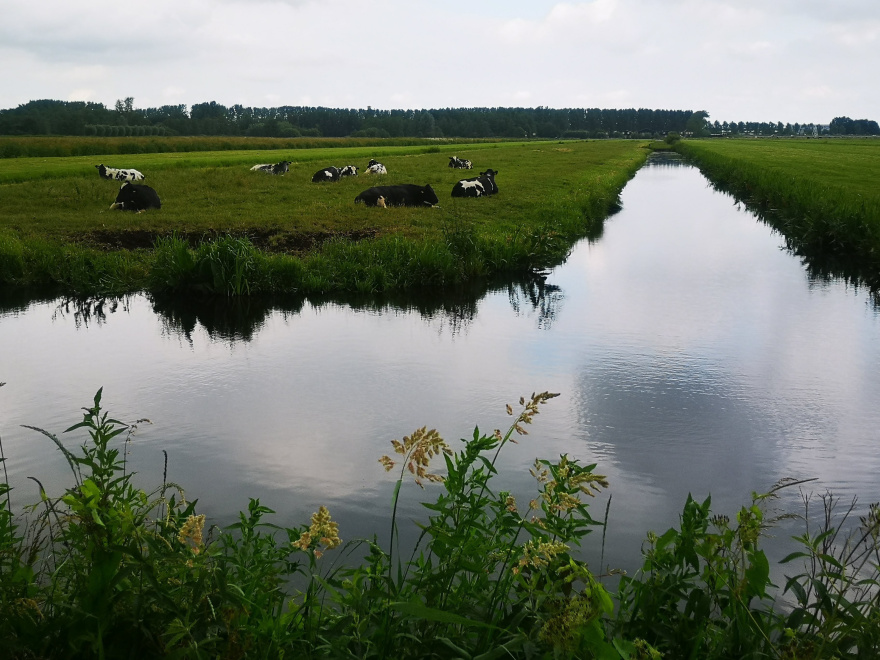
<point>743,59</point>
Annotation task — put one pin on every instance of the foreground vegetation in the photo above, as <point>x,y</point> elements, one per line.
<point>822,195</point>
<point>108,570</point>
<point>224,229</point>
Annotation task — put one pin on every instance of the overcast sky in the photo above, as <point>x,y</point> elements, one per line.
<point>744,60</point>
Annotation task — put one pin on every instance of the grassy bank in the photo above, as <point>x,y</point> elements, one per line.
<point>225,229</point>
<point>109,570</point>
<point>822,195</point>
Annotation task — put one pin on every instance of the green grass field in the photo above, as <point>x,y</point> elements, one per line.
<point>843,163</point>
<point>558,190</point>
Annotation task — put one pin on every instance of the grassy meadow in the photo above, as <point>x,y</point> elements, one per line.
<point>821,194</point>
<point>300,236</point>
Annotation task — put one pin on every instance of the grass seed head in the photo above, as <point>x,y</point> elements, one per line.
<point>322,532</point>
<point>191,532</point>
<point>417,450</point>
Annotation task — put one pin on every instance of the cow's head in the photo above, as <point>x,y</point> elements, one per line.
<point>429,197</point>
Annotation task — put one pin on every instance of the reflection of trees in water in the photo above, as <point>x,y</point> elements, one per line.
<point>234,319</point>
<point>667,159</point>
<point>13,301</point>
<point>90,309</point>
<point>535,295</point>
<point>241,318</point>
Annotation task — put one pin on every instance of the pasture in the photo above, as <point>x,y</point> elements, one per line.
<point>852,164</point>
<point>561,190</point>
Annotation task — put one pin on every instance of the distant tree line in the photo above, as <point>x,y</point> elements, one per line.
<point>49,117</point>
<point>838,126</point>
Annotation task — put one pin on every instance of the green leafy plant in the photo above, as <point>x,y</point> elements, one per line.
<point>108,570</point>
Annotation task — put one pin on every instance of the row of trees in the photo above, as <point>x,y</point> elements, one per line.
<point>838,126</point>
<point>48,117</point>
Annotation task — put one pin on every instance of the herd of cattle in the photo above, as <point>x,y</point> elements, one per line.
<point>140,197</point>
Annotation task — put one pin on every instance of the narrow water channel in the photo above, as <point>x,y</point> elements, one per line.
<point>691,352</point>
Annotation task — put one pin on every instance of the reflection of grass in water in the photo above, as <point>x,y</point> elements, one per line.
<point>822,195</point>
<point>312,238</point>
<point>109,570</point>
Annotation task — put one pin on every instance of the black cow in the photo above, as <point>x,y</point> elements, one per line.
<point>136,197</point>
<point>269,168</point>
<point>117,174</point>
<point>460,163</point>
<point>327,174</point>
<point>405,194</point>
<point>478,186</point>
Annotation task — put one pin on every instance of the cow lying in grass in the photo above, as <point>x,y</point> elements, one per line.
<point>478,186</point>
<point>327,174</point>
<point>334,173</point>
<point>375,167</point>
<point>405,194</point>
<point>117,174</point>
<point>269,168</point>
<point>136,197</point>
<point>460,163</point>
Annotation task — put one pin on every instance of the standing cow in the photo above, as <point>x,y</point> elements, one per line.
<point>136,197</point>
<point>480,186</point>
<point>117,174</point>
<point>405,194</point>
<point>278,168</point>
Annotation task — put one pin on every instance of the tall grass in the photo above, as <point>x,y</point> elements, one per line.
<point>40,263</point>
<point>108,570</point>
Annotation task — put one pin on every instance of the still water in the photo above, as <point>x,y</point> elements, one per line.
<point>692,353</point>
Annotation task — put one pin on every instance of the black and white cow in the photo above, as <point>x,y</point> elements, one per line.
<point>375,167</point>
<point>117,174</point>
<point>136,197</point>
<point>269,168</point>
<point>460,163</point>
<point>334,173</point>
<point>405,194</point>
<point>327,174</point>
<point>478,186</point>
